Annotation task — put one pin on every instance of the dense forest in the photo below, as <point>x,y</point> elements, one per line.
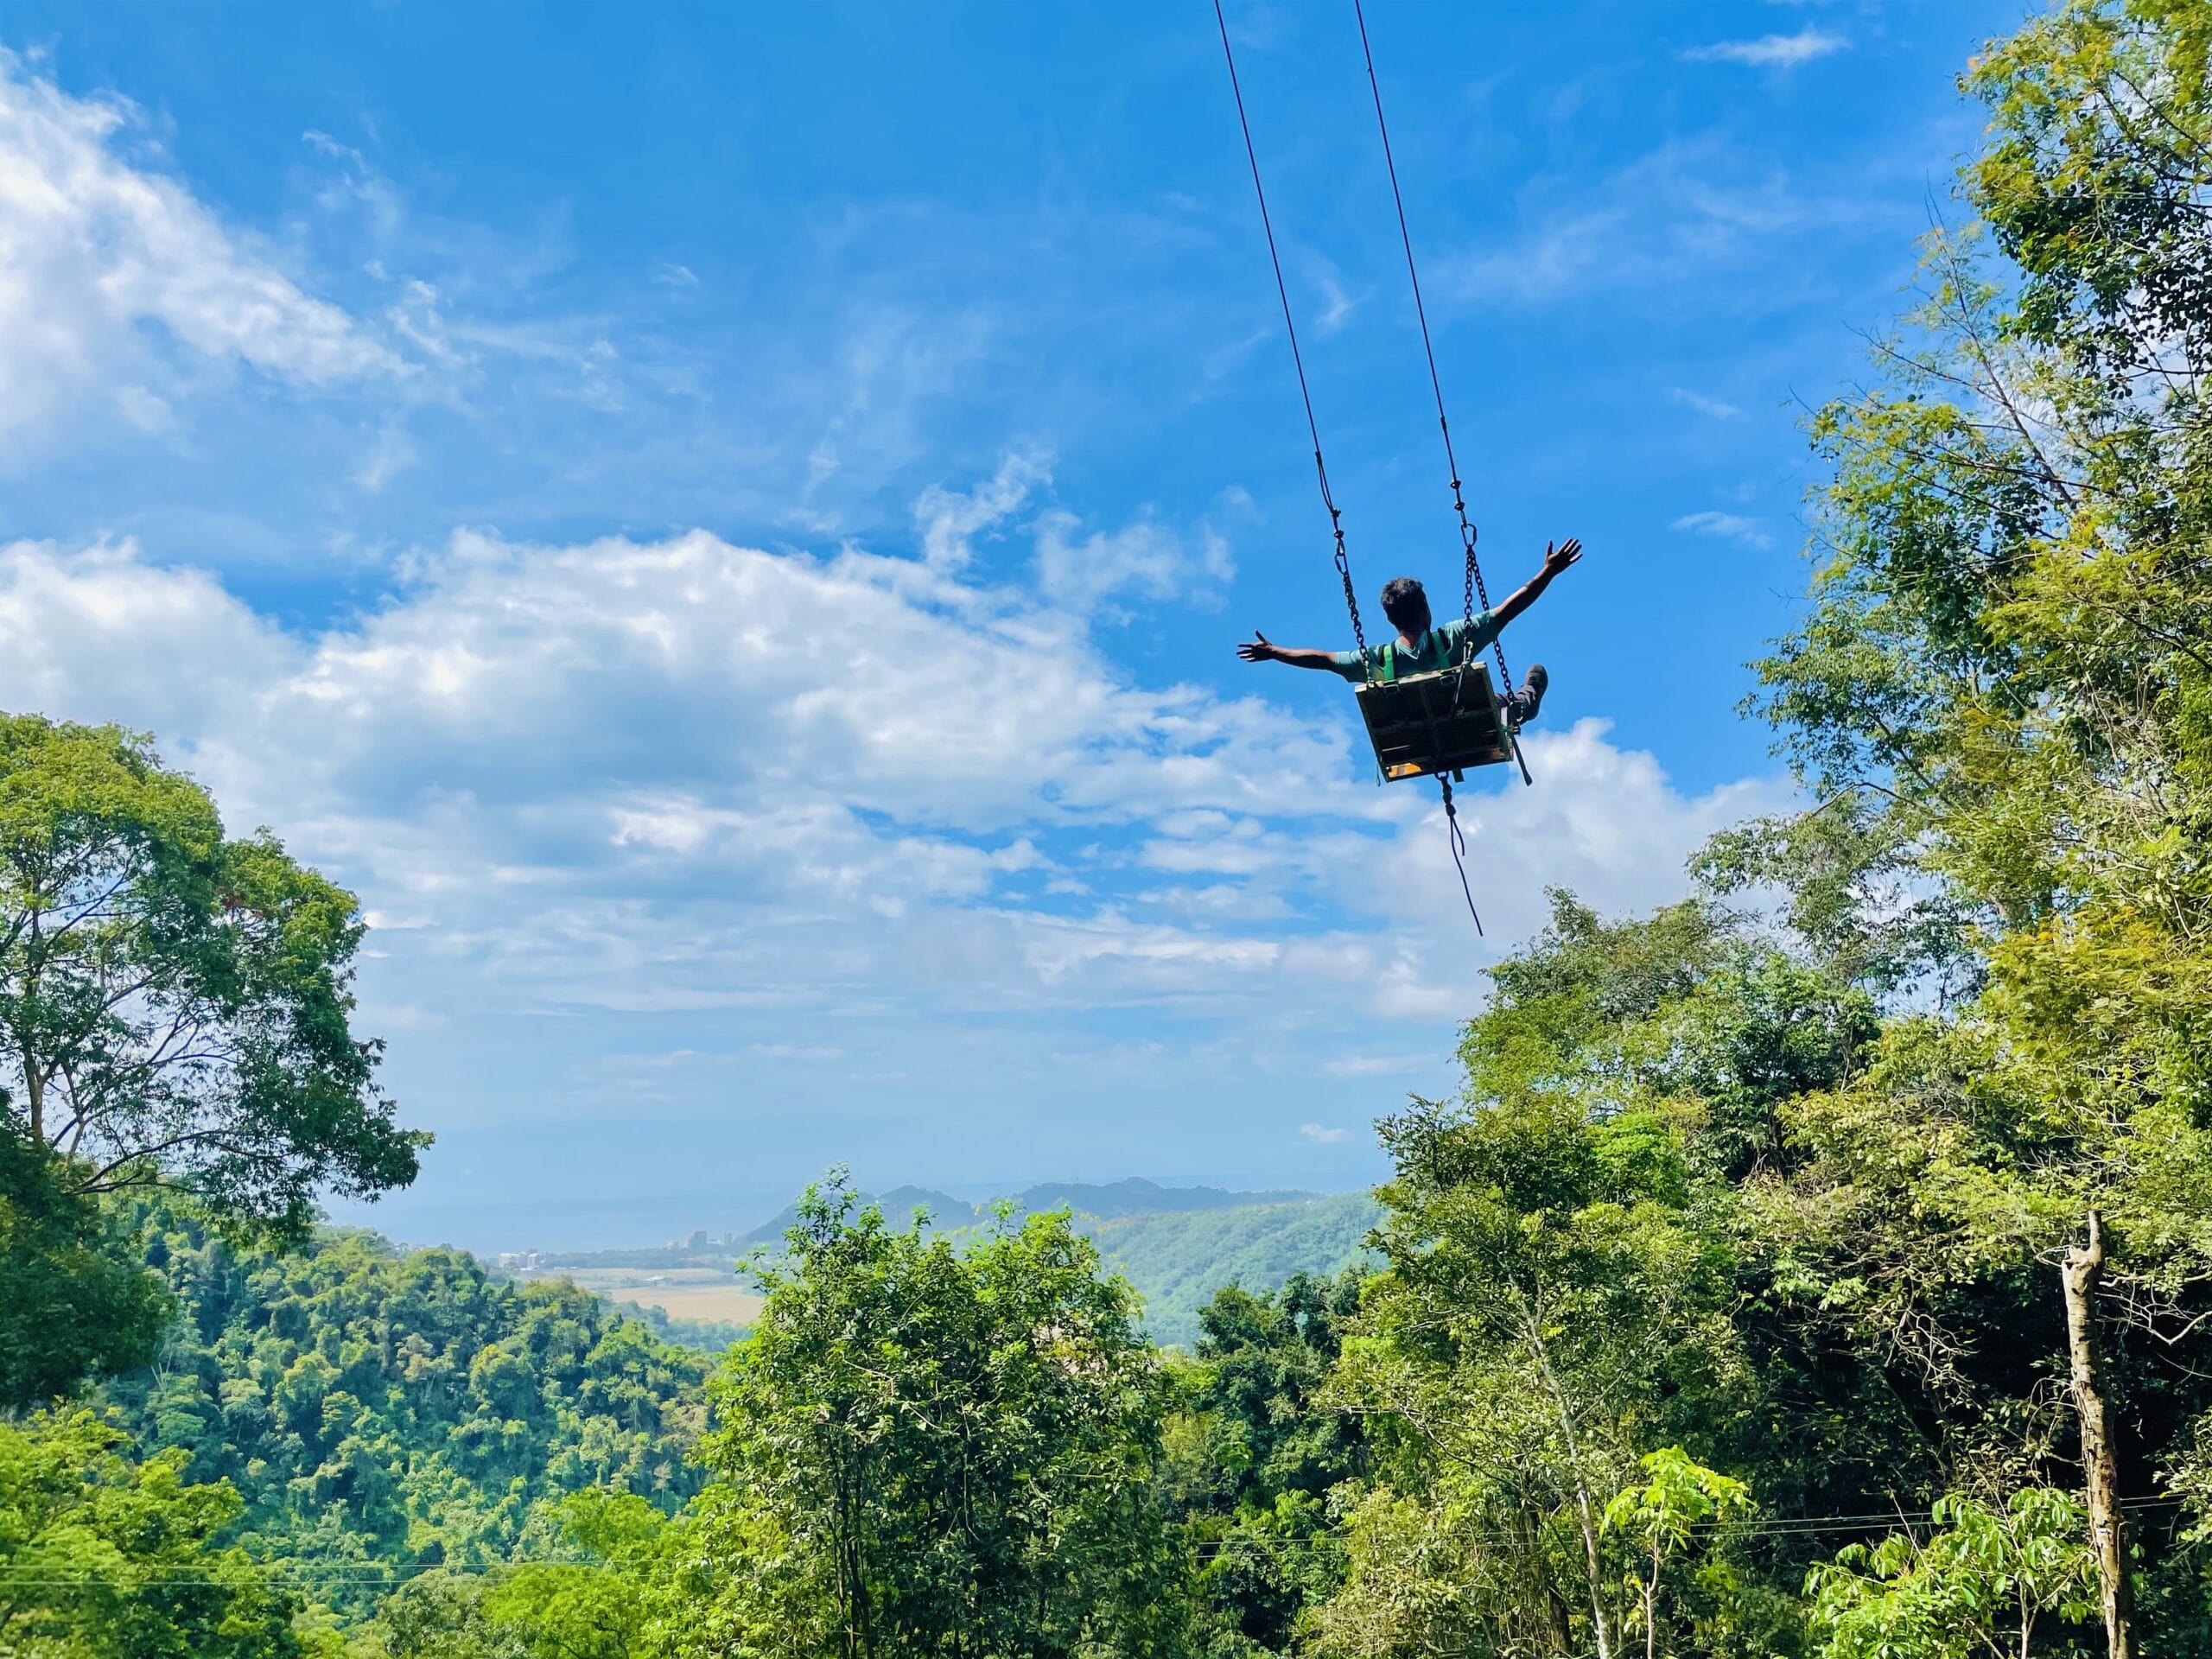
<point>1818,1266</point>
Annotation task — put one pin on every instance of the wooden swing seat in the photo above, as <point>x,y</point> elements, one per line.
<point>1444,722</point>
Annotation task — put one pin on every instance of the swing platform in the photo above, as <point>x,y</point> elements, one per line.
<point>1436,724</point>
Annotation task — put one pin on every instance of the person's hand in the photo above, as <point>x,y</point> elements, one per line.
<point>1557,558</point>
<point>1256,649</point>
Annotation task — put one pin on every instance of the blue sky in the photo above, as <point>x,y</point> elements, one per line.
<point>727,527</point>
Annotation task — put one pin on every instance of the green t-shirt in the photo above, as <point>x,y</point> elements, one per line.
<point>1444,646</point>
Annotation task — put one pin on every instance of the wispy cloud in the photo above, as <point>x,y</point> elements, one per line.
<point>113,274</point>
<point>1771,50</point>
<point>1669,219</point>
<point>1730,526</point>
<point>1703,405</point>
<point>1321,1136</point>
<point>1377,1066</point>
<point>799,1052</point>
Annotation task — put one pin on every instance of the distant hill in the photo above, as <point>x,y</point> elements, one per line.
<point>1112,1201</point>
<point>1177,1261</point>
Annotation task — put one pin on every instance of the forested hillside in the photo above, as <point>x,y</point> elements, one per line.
<point>1177,1261</point>
<point>369,1405</point>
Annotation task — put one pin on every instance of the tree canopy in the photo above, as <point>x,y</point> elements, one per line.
<point>175,1005</point>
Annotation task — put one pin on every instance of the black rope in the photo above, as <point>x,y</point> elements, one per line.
<point>1282,291</point>
<point>1458,850</point>
<point>1475,583</point>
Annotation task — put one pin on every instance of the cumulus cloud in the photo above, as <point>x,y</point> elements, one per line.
<point>643,778</point>
<point>112,273</point>
<point>1771,50</point>
<point>1321,1136</point>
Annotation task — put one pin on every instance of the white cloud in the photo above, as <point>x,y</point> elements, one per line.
<point>950,520</point>
<point>1379,1065</point>
<point>649,778</point>
<point>1147,558</point>
<point>1771,50</point>
<point>799,1053</point>
<point>1702,404</point>
<point>112,273</point>
<point>1320,1136</point>
<point>1731,526</point>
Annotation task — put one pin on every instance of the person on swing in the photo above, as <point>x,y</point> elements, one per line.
<point>1423,645</point>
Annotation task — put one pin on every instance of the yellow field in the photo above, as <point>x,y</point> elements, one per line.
<point>680,1292</point>
<point>731,1304</point>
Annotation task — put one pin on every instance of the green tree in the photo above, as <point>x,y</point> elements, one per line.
<point>174,1005</point>
<point>1660,1516</point>
<point>2001,698</point>
<point>1549,1296</point>
<point>927,1451</point>
<point>100,1555</point>
<point>1980,1583</point>
<point>1255,1455</point>
<point>74,1300</point>
<point>600,1605</point>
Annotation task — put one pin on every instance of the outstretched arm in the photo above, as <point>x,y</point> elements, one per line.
<point>1556,559</point>
<point>1257,650</point>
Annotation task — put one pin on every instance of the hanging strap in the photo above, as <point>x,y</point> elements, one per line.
<point>1458,850</point>
<point>1474,583</point>
<point>1282,292</point>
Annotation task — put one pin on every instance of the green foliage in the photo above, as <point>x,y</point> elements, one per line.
<point>174,1006</point>
<point>102,1555</point>
<point>598,1607</point>
<point>1981,1582</point>
<point>74,1299</point>
<point>370,1406</point>
<point>1256,1454</point>
<point>1681,1500</point>
<point>927,1450</point>
<point>702,1336</point>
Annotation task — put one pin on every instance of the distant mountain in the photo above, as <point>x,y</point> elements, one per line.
<point>1113,1201</point>
<point>1138,1197</point>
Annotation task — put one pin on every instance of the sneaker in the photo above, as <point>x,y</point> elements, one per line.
<point>1525,702</point>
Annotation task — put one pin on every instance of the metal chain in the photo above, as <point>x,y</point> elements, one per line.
<point>1343,561</point>
<point>1298,360</point>
<point>1475,585</point>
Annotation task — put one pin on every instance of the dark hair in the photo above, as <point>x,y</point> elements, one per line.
<point>1404,600</point>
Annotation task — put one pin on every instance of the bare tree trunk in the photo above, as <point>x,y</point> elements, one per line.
<point>2083,1267</point>
<point>1584,1511</point>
